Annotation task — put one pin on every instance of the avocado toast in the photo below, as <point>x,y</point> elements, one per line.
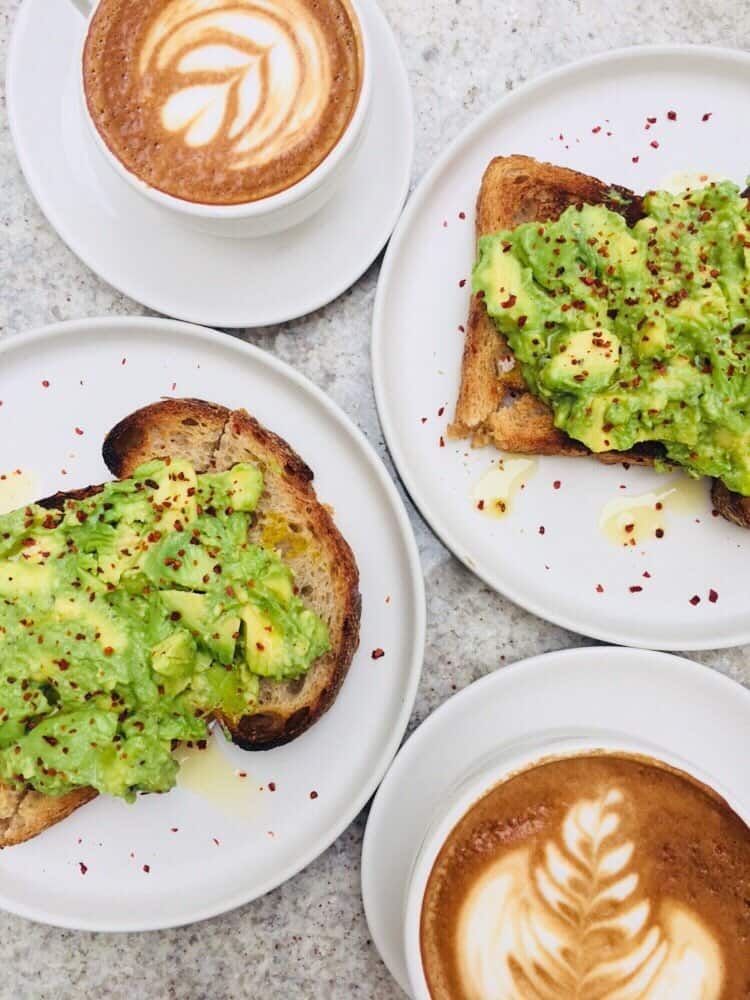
<point>539,402</point>
<point>275,623</point>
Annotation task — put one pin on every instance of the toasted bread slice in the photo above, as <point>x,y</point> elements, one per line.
<point>289,517</point>
<point>494,404</point>
<point>26,813</point>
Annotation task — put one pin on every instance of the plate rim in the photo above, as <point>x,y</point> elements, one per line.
<point>379,347</point>
<point>63,232</point>
<point>501,676</point>
<point>66,328</point>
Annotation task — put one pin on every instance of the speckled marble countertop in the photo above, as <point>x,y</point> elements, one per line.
<point>309,938</point>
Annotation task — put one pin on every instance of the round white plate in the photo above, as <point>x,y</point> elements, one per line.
<point>684,710</point>
<point>417,347</point>
<point>99,371</point>
<point>161,262</point>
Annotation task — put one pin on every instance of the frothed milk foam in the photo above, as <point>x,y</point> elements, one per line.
<point>222,101</point>
<point>591,878</point>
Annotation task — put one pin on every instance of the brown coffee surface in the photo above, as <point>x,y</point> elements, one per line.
<point>222,101</point>
<point>590,877</point>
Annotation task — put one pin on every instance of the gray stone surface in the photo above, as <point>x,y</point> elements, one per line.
<point>309,938</point>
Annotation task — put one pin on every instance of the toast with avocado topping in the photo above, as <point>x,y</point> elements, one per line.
<point>206,583</point>
<point>599,246</point>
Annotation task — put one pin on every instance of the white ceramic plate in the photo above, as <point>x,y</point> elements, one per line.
<point>99,371</point>
<point>417,348</point>
<point>619,696</point>
<point>159,261</point>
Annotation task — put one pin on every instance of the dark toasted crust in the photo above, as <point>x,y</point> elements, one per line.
<point>191,427</point>
<point>733,506</point>
<point>274,727</point>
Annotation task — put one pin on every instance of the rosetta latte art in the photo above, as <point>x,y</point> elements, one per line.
<point>251,75</point>
<point>569,923</point>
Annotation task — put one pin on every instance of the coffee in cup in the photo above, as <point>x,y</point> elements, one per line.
<point>222,102</point>
<point>592,876</point>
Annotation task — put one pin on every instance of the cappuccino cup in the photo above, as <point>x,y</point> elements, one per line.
<point>240,118</point>
<point>581,867</point>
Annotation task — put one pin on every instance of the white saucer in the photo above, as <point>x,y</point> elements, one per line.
<point>176,858</point>
<point>162,263</point>
<point>682,709</point>
<point>684,591</point>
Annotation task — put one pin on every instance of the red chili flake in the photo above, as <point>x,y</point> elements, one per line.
<point>672,116</point>
<point>462,282</point>
<point>636,589</point>
<point>82,867</point>
<point>629,528</point>
<point>659,532</point>
<point>635,159</point>
<point>462,215</point>
<point>509,302</point>
<point>599,589</point>
<point>378,653</point>
<point>597,128</point>
<point>480,504</point>
<point>313,795</point>
<point>173,829</point>
<point>441,411</point>
<point>215,841</point>
<point>647,574</point>
<point>442,441</point>
<point>556,485</point>
<point>713,596</point>
<point>271,786</point>
<point>108,650</point>
<point>79,432</point>
<point>174,386</point>
<point>695,600</point>
<point>445,223</point>
<point>541,529</point>
<point>654,144</point>
<point>461,329</point>
<point>609,133</point>
<point>706,116</point>
<point>124,361</point>
<point>147,868</point>
<point>651,121</point>
<point>45,383</point>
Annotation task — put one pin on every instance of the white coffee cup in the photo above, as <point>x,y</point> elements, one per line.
<point>277,212</point>
<point>481,779</point>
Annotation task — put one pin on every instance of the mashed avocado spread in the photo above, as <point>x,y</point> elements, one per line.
<point>636,333</point>
<point>127,618</point>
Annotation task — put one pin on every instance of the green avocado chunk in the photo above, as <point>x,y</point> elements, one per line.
<point>639,333</point>
<point>126,621</point>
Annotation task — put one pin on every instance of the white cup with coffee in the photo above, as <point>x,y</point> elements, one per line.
<point>562,870</point>
<point>238,117</point>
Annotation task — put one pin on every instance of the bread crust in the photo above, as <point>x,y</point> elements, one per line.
<point>214,438</point>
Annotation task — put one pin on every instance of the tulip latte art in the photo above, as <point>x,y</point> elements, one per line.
<point>222,101</point>
<point>601,877</point>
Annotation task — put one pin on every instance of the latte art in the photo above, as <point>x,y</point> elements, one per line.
<point>252,74</point>
<point>536,928</point>
<point>222,101</point>
<point>592,877</point>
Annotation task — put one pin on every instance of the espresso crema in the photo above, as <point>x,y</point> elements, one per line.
<point>222,101</point>
<point>601,877</point>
